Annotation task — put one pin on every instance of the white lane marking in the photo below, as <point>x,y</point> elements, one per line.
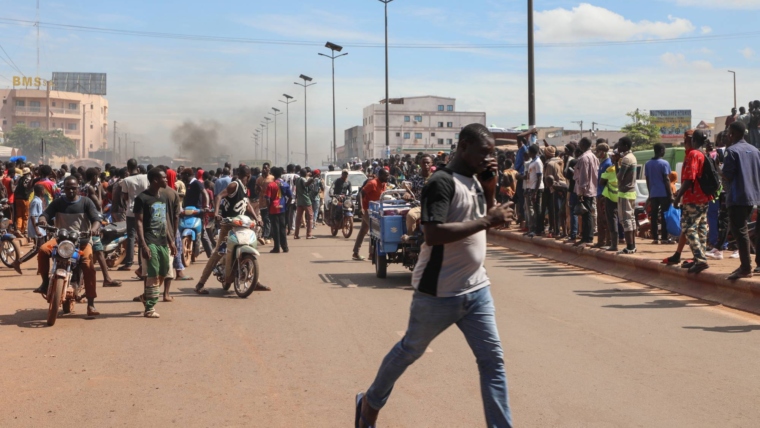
<point>402,333</point>
<point>317,255</point>
<point>347,283</point>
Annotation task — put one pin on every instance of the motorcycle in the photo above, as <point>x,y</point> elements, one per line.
<point>64,288</point>
<point>190,229</point>
<point>239,260</point>
<point>115,242</point>
<point>340,216</point>
<point>10,250</point>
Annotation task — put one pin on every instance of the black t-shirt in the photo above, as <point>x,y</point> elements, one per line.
<point>155,210</point>
<point>194,195</point>
<point>23,187</point>
<point>76,216</point>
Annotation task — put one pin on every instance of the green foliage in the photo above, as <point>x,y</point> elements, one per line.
<point>28,140</point>
<point>642,130</point>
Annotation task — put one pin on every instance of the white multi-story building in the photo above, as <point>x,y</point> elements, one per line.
<point>416,124</point>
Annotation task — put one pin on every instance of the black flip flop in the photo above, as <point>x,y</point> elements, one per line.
<point>359,417</point>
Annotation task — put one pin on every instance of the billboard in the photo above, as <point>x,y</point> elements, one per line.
<point>672,123</point>
<point>83,83</point>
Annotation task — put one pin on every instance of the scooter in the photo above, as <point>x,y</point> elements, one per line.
<point>10,250</point>
<point>239,263</point>
<point>190,229</point>
<point>115,242</point>
<point>64,287</point>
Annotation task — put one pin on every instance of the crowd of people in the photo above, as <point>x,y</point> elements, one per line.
<point>589,188</point>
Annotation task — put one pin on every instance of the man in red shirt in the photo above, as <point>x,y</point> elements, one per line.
<point>277,195</point>
<point>370,192</point>
<point>695,201</point>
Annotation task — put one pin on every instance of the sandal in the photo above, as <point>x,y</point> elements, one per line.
<point>358,258</point>
<point>359,417</point>
<point>152,314</point>
<point>112,284</point>
<point>311,237</point>
<point>184,278</point>
<point>125,268</point>
<point>201,290</point>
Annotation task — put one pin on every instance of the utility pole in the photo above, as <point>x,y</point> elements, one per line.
<point>581,123</point>
<point>267,122</point>
<point>531,71</point>
<point>305,84</point>
<point>134,149</point>
<point>47,107</point>
<point>387,101</point>
<point>734,73</point>
<point>288,100</point>
<point>114,139</point>
<point>84,128</point>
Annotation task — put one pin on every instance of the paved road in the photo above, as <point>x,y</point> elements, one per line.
<point>582,350</point>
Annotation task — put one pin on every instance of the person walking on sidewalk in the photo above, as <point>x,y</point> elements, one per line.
<point>585,174</point>
<point>450,280</point>
<point>656,172</point>
<point>626,175</point>
<point>741,169</point>
<point>694,210</point>
<point>602,228</point>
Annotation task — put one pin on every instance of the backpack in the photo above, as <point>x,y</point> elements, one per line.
<point>709,181</point>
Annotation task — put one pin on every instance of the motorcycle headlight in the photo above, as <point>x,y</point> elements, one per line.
<point>5,223</point>
<point>66,249</point>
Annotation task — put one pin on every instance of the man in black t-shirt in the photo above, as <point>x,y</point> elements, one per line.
<point>155,235</point>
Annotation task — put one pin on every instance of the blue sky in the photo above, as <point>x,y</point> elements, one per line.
<point>157,83</point>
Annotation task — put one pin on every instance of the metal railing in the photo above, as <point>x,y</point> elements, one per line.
<point>71,131</point>
<point>28,111</point>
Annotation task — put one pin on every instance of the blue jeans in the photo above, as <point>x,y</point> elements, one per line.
<point>573,217</point>
<point>429,316</point>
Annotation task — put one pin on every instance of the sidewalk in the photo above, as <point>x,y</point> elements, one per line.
<point>646,267</point>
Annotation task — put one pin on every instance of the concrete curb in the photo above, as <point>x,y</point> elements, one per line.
<point>742,294</point>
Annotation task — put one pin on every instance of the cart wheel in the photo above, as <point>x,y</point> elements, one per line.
<point>381,264</point>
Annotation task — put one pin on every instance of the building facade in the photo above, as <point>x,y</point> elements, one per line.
<point>353,143</point>
<point>416,124</point>
<point>81,117</point>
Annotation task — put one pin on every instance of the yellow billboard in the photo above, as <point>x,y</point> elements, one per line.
<point>672,123</point>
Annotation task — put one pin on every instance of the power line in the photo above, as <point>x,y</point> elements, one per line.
<point>207,38</point>
<point>11,64</point>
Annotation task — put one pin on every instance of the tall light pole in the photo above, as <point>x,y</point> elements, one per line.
<point>288,101</point>
<point>263,156</point>
<point>387,101</point>
<point>276,113</point>
<point>734,73</point>
<point>334,48</point>
<point>531,70</point>
<point>305,84</point>
<point>267,123</point>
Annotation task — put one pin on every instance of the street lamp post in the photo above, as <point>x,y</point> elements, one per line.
<point>275,114</point>
<point>387,119</point>
<point>531,70</point>
<point>305,84</point>
<point>334,48</point>
<point>288,101</point>
<point>734,73</point>
<point>267,123</point>
<point>263,156</point>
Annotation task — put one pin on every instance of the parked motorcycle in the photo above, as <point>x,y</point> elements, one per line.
<point>190,229</point>
<point>10,250</point>
<point>340,216</point>
<point>115,242</point>
<point>239,263</point>
<point>64,288</point>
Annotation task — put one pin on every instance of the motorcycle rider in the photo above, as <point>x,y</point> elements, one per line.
<point>233,201</point>
<point>341,187</point>
<point>74,213</point>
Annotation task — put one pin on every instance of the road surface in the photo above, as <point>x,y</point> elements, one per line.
<point>582,350</point>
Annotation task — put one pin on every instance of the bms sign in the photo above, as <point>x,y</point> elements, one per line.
<point>29,81</point>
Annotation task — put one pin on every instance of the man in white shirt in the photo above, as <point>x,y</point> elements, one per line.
<point>534,188</point>
<point>132,186</point>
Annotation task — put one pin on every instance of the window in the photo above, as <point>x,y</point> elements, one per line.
<point>21,122</point>
<point>53,124</point>
<point>440,124</point>
<point>90,146</point>
<point>418,118</point>
<point>440,108</point>
<point>440,141</point>
<point>34,104</point>
<point>407,119</point>
<point>456,136</point>
<point>418,135</point>
<point>20,103</point>
<point>432,134</point>
<point>71,126</point>
<point>34,124</point>
<point>449,108</point>
<point>398,134</point>
<point>449,141</point>
<point>5,122</point>
<point>449,124</point>
<point>53,103</point>
<point>72,106</point>
<point>406,135</point>
<point>91,126</point>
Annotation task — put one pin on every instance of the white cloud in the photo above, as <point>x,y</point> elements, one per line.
<point>589,22</point>
<point>705,30</point>
<point>721,4</point>
<point>748,53</point>
<point>679,61</point>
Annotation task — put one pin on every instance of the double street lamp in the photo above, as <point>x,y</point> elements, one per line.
<point>275,114</point>
<point>288,101</point>
<point>334,48</point>
<point>267,123</point>
<point>305,84</point>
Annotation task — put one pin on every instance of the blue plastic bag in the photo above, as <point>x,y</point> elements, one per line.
<point>673,221</point>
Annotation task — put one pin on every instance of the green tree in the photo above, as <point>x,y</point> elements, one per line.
<point>28,140</point>
<point>642,130</point>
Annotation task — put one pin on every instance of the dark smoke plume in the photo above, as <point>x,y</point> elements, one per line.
<point>198,141</point>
